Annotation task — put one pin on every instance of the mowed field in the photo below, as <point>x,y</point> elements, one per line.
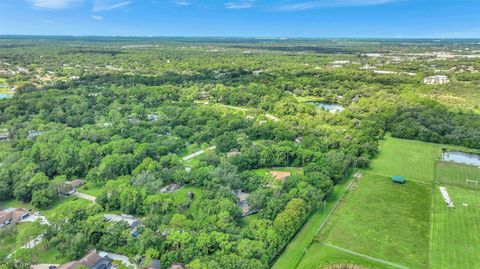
<point>380,224</point>
<point>383,220</point>
<point>412,159</point>
<point>456,174</point>
<point>455,241</point>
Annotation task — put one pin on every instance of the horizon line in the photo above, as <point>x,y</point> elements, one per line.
<point>227,36</point>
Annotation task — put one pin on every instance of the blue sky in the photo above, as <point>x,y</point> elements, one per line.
<point>252,18</point>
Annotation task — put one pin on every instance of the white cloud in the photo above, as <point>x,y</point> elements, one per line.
<point>182,2</point>
<point>106,5</point>
<point>239,5</point>
<point>96,17</point>
<point>297,6</point>
<point>54,4</point>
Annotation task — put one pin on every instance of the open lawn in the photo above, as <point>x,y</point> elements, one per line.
<point>8,238</point>
<point>383,220</point>
<point>245,221</point>
<point>50,256</point>
<point>91,189</point>
<point>456,231</point>
<point>411,159</point>
<point>181,195</point>
<point>456,174</point>
<point>318,255</point>
<point>65,203</point>
<point>292,170</point>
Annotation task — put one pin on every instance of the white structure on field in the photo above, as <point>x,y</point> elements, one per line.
<point>439,79</point>
<point>446,197</point>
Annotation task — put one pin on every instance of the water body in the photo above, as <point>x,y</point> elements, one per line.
<point>332,108</point>
<point>461,157</point>
<point>5,95</point>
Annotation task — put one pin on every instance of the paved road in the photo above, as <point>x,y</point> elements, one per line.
<point>35,242</point>
<point>195,154</point>
<point>85,196</point>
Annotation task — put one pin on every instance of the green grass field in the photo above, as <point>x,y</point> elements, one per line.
<point>8,238</point>
<point>397,223</point>
<point>321,256</point>
<point>413,159</point>
<point>456,174</point>
<point>456,231</point>
<point>384,220</point>
<point>91,189</point>
<point>292,170</point>
<point>49,256</point>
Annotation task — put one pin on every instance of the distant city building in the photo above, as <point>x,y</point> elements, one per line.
<point>374,55</point>
<point>439,79</point>
<point>341,62</point>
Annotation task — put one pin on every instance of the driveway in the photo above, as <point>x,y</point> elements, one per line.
<point>117,257</point>
<point>33,217</point>
<point>195,154</point>
<point>85,196</point>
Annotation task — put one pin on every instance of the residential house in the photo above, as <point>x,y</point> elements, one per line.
<point>70,187</point>
<point>76,183</point>
<point>438,79</point>
<point>243,203</point>
<point>233,153</point>
<point>152,264</point>
<point>4,135</point>
<point>92,260</point>
<point>130,220</point>
<point>32,134</point>
<point>170,188</point>
<point>152,117</point>
<point>12,215</point>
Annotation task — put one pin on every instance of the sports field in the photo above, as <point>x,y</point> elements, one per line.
<point>380,224</point>
<point>321,255</point>
<point>456,174</point>
<point>456,231</point>
<point>383,220</point>
<point>412,159</point>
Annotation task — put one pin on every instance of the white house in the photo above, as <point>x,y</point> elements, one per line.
<point>438,79</point>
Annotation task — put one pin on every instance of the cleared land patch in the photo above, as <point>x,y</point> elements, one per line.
<point>383,220</point>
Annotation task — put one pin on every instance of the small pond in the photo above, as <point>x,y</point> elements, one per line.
<point>461,157</point>
<point>332,108</point>
<point>5,95</point>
